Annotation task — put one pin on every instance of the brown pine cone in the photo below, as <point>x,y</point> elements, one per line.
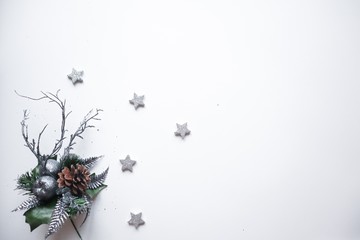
<point>76,179</point>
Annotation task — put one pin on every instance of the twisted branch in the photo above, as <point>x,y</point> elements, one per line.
<point>83,126</point>
<point>25,134</point>
<point>35,148</point>
<point>32,145</point>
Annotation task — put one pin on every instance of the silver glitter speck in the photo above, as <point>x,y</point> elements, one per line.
<point>127,164</point>
<point>136,220</point>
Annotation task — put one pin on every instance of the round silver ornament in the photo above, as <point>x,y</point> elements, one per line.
<point>52,167</point>
<point>44,188</point>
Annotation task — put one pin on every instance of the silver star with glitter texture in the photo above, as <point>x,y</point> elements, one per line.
<point>137,101</point>
<point>136,220</point>
<point>75,76</point>
<point>182,130</point>
<point>127,164</point>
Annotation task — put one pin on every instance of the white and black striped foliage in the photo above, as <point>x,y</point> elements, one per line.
<point>97,180</point>
<point>90,162</point>
<point>58,217</point>
<point>28,204</point>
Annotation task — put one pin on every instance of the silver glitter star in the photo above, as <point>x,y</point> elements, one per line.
<point>136,220</point>
<point>75,76</point>
<point>127,164</point>
<point>137,101</point>
<point>182,130</point>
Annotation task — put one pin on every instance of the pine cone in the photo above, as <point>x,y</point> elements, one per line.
<point>76,179</point>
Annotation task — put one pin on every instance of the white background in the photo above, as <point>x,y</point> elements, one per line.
<point>270,91</point>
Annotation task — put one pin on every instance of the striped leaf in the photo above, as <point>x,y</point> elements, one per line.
<point>58,217</point>
<point>90,162</point>
<point>98,180</point>
<point>28,204</point>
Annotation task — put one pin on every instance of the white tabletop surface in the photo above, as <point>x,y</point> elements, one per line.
<point>270,91</point>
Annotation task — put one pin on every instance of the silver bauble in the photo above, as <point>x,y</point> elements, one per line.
<point>44,188</point>
<point>52,167</point>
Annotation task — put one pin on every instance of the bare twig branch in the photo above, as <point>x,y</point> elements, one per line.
<point>38,142</point>
<point>36,99</point>
<point>25,134</point>
<point>55,99</point>
<point>83,126</point>
<point>58,144</point>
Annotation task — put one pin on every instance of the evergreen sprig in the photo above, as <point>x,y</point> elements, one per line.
<point>78,206</point>
<point>26,180</point>
<point>70,159</point>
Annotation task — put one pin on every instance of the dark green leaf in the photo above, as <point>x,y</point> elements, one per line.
<point>39,215</point>
<point>94,192</point>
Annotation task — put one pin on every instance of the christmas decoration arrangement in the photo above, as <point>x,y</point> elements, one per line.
<point>59,187</point>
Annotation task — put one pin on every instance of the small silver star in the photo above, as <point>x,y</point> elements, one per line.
<point>136,220</point>
<point>75,76</point>
<point>182,130</point>
<point>127,164</point>
<point>137,101</point>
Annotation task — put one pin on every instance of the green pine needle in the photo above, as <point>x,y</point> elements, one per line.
<point>26,180</point>
<point>70,159</point>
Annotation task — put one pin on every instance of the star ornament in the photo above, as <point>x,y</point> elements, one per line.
<point>136,220</point>
<point>127,164</point>
<point>182,130</point>
<point>137,101</point>
<point>75,76</point>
